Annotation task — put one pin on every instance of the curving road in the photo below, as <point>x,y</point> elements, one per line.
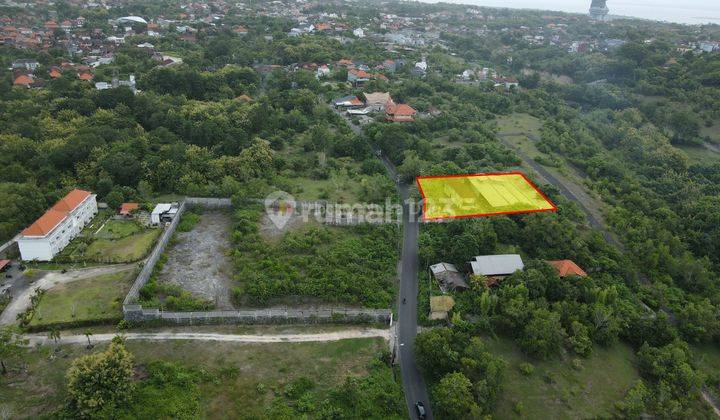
<point>413,382</point>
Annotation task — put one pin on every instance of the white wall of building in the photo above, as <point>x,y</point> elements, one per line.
<point>46,247</point>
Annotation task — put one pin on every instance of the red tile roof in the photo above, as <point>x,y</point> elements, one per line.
<point>567,268</point>
<point>23,80</point>
<point>4,263</point>
<point>48,221</point>
<point>126,208</point>
<point>400,110</point>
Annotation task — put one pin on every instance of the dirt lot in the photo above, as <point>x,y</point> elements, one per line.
<point>199,261</point>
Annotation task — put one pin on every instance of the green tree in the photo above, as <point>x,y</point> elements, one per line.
<point>453,398</point>
<point>580,339</point>
<point>434,353</point>
<point>98,383</point>
<point>543,336</point>
<point>11,345</point>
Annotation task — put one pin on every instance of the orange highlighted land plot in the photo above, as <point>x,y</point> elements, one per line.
<point>480,195</point>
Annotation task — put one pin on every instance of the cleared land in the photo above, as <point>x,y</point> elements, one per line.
<point>460,196</point>
<point>127,249</point>
<point>48,280</point>
<point>198,260</point>
<point>557,389</point>
<point>95,298</point>
<point>239,380</point>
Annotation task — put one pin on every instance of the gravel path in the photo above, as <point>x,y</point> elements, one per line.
<point>49,280</point>
<point>39,339</point>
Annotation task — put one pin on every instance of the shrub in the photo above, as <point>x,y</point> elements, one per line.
<point>526,369</point>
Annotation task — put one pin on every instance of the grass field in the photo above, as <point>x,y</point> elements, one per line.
<point>127,249</point>
<point>556,389</point>
<point>115,229</point>
<point>94,298</point>
<point>519,123</point>
<point>339,188</point>
<point>246,378</point>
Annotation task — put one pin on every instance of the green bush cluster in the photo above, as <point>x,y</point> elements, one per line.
<point>349,265</point>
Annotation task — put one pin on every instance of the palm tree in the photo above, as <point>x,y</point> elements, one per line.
<point>88,333</point>
<point>54,334</point>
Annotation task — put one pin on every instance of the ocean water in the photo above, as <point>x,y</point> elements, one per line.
<point>687,11</point>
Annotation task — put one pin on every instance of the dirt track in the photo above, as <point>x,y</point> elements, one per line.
<point>39,339</point>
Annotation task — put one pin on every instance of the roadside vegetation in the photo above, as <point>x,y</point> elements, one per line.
<point>192,379</point>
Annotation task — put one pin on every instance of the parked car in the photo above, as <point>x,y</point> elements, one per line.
<point>420,408</point>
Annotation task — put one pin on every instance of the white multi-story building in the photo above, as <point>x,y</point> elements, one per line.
<point>42,240</point>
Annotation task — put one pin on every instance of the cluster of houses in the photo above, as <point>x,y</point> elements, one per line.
<point>25,72</point>
<point>486,74</point>
<point>491,268</point>
<point>376,102</point>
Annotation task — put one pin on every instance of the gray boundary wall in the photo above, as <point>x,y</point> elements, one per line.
<point>260,316</point>
<point>209,202</point>
<point>6,247</point>
<point>134,312</point>
<point>144,276</point>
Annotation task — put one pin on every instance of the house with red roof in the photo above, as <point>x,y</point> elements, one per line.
<point>54,230</point>
<point>566,268</point>
<point>126,209</point>
<point>55,72</point>
<point>399,112</point>
<point>358,76</point>
<point>26,80</point>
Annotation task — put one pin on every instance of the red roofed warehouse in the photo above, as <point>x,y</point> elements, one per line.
<point>52,232</point>
<point>567,268</point>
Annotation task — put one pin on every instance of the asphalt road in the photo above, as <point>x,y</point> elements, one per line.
<point>413,383</point>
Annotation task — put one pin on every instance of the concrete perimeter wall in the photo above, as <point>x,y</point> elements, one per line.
<point>144,276</point>
<point>209,202</point>
<point>134,312</point>
<point>259,316</point>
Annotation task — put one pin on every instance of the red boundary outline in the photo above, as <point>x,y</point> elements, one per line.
<point>467,216</point>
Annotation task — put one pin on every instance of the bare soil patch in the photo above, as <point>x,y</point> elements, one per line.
<point>199,260</point>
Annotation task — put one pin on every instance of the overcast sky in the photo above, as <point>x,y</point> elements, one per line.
<point>683,11</point>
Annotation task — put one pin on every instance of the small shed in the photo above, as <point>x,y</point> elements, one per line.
<point>126,209</point>
<point>496,265</point>
<point>4,265</point>
<point>448,277</point>
<point>163,212</point>
<point>440,306</point>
